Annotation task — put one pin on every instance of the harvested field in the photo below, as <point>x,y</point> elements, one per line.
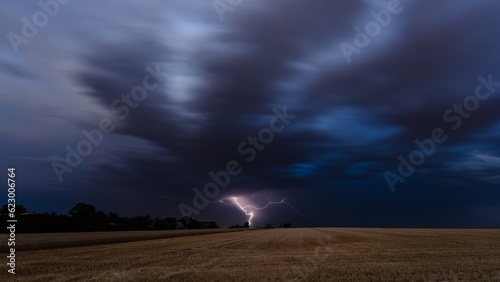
<point>40,241</point>
<point>309,254</point>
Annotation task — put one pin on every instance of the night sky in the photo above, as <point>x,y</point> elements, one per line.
<point>320,103</point>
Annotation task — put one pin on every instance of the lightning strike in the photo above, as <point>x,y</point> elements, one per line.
<point>248,210</point>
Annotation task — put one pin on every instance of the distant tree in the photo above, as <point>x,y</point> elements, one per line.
<point>19,209</point>
<point>100,221</point>
<point>4,210</point>
<point>269,225</point>
<point>45,222</point>
<point>245,225</point>
<point>142,222</point>
<point>171,223</point>
<point>125,223</point>
<point>113,217</point>
<point>83,216</point>
<point>159,224</point>
<point>286,225</point>
<point>190,223</point>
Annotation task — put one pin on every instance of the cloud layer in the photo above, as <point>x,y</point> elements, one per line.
<point>225,77</point>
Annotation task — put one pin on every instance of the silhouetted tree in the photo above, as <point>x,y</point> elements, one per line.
<point>113,217</point>
<point>165,223</point>
<point>142,222</point>
<point>19,209</point>
<point>83,216</point>
<point>245,225</point>
<point>171,223</point>
<point>100,221</point>
<point>190,223</point>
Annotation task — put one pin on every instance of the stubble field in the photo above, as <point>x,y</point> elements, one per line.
<point>308,254</point>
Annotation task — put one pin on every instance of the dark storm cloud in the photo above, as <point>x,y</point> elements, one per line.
<point>353,120</point>
<point>240,91</point>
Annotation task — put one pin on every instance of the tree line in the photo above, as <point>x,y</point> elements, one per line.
<point>84,217</point>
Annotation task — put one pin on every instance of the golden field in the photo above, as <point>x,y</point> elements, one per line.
<point>296,254</point>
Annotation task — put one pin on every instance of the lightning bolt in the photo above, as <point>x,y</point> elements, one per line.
<point>233,201</point>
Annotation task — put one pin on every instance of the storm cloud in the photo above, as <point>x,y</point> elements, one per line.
<point>353,119</point>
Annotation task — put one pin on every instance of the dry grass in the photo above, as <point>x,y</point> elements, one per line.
<point>309,254</point>
<point>29,242</point>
